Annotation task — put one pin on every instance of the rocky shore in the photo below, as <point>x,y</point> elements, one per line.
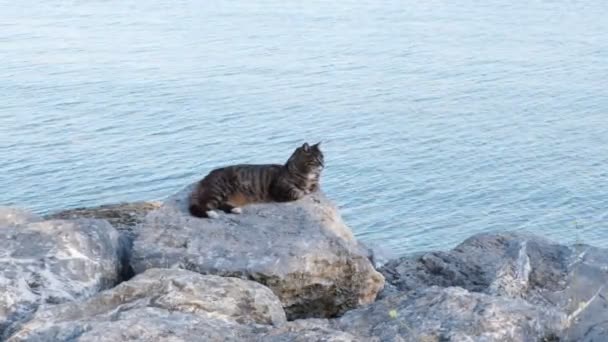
<point>148,271</point>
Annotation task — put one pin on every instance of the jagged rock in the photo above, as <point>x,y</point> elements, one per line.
<point>162,304</point>
<point>516,265</point>
<point>451,314</point>
<point>123,216</point>
<point>301,250</point>
<point>509,264</point>
<point>48,262</point>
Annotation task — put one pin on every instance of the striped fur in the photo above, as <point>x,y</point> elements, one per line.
<point>232,187</point>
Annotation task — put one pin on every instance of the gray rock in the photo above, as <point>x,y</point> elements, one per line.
<point>302,250</point>
<point>508,264</point>
<point>515,265</point>
<point>307,330</point>
<point>451,314</point>
<point>48,262</point>
<point>144,324</point>
<point>388,290</point>
<point>123,216</point>
<point>162,305</point>
<point>11,216</point>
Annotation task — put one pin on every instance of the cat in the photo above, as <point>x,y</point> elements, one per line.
<point>229,188</point>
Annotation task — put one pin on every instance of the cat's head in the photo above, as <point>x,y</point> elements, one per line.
<point>307,158</point>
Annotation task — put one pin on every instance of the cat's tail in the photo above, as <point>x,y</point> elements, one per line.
<point>194,204</point>
<point>197,211</point>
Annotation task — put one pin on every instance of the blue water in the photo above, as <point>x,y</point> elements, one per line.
<point>438,120</point>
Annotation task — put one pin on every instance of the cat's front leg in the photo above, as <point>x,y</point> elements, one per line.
<point>230,209</point>
<point>287,194</point>
<point>295,194</point>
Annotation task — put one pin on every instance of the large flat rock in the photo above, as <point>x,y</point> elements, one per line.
<point>49,262</point>
<point>301,250</point>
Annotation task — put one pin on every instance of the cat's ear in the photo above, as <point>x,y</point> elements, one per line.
<point>306,147</point>
<point>317,145</point>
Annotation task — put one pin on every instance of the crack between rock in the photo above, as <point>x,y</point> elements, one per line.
<point>583,305</point>
<point>579,258</point>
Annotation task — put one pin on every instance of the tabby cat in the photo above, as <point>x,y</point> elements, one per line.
<point>231,187</point>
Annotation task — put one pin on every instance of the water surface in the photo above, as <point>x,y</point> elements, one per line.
<point>438,120</point>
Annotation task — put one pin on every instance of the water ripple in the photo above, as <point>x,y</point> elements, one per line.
<point>437,121</point>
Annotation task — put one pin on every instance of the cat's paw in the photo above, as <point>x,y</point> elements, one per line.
<point>236,210</point>
<point>212,214</point>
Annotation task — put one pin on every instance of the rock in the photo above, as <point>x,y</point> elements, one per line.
<point>48,262</point>
<point>451,314</point>
<point>123,216</point>
<point>162,305</point>
<point>509,264</point>
<point>388,291</point>
<point>147,324</point>
<point>308,330</point>
<point>301,250</point>
<point>10,216</point>
<point>514,265</point>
